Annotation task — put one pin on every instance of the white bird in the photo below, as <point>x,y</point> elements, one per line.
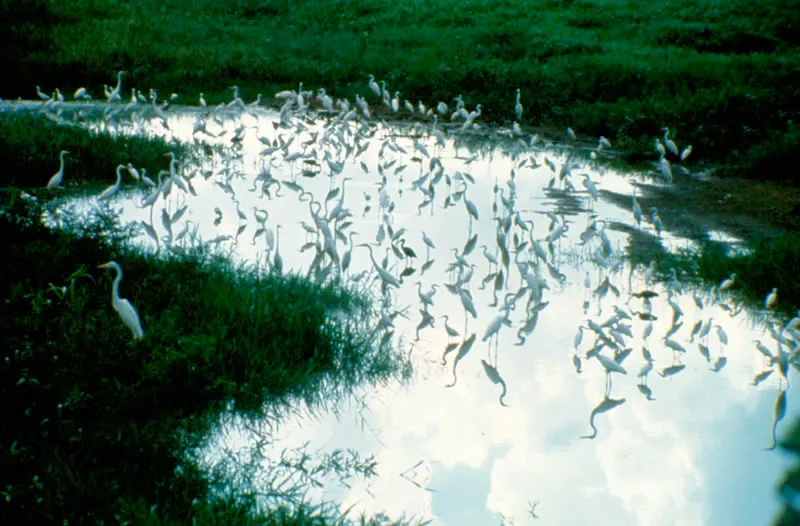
<point>665,168</point>
<point>116,93</point>
<point>42,95</point>
<point>659,147</point>
<point>385,276</point>
<point>686,152</point>
<point>590,187</point>
<point>637,210</point>
<point>673,149</point>
<point>728,283</point>
<point>123,307</point>
<point>81,93</point>
<point>59,176</point>
<point>518,107</point>
<point>114,188</point>
<point>655,219</point>
<point>451,332</point>
<point>471,118</point>
<point>374,86</point>
<point>428,241</point>
<point>396,102</point>
<point>610,365</point>
<point>202,100</point>
<point>426,297</point>
<point>772,299</point>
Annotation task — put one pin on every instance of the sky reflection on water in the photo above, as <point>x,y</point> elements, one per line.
<point>689,453</point>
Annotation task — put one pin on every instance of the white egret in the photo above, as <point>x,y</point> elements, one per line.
<point>471,118</point>
<point>518,107</point>
<point>637,210</point>
<point>686,152</point>
<point>665,168</point>
<point>123,307</point>
<point>728,283</point>
<point>655,219</point>
<point>81,93</point>
<point>202,100</point>
<point>794,323</point>
<point>428,241</point>
<point>426,298</point>
<point>590,187</point>
<point>451,332</point>
<point>382,273</point>
<point>673,149</point>
<point>42,95</point>
<point>114,188</point>
<point>772,299</point>
<point>396,102</point>
<point>374,86</point>
<point>116,93</point>
<point>659,147</point>
<point>59,176</point>
<point>610,365</point>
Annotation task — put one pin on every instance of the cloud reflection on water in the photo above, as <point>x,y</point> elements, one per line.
<point>660,461</point>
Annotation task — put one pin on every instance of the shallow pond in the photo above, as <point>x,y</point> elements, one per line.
<point>513,414</point>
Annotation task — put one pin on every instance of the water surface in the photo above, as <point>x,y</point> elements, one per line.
<point>674,446</point>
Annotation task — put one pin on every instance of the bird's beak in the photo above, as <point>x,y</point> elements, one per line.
<point>104,265</point>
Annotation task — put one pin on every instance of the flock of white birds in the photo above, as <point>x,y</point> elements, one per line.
<point>320,135</point>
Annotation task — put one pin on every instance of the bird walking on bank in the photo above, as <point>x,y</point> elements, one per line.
<point>123,307</point>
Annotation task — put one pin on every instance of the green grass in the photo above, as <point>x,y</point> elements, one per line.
<point>769,262</point>
<point>96,425</point>
<point>30,146</point>
<point>724,76</point>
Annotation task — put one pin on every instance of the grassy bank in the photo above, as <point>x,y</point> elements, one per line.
<point>724,76</point>
<point>770,262</point>
<point>30,146</point>
<point>96,423</point>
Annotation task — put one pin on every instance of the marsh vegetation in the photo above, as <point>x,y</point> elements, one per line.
<point>227,335</point>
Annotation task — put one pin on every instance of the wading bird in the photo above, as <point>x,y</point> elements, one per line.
<point>123,307</point>
<point>772,299</point>
<point>109,192</point>
<point>59,176</point>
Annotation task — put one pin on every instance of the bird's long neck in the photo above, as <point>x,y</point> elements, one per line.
<point>115,289</point>
<point>61,169</point>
